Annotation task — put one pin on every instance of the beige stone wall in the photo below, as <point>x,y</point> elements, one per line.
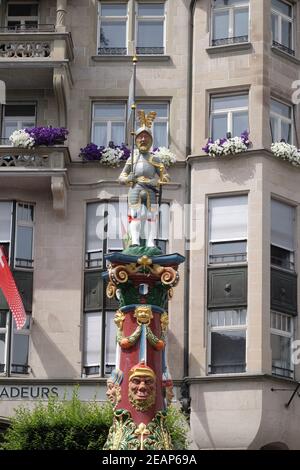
<point>258,69</point>
<point>109,79</point>
<point>243,414</point>
<point>261,177</point>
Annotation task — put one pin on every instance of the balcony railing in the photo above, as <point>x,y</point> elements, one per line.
<point>28,29</point>
<point>150,50</point>
<point>283,48</point>
<point>227,368</point>
<point>42,157</point>
<point>36,43</point>
<point>225,41</point>
<point>112,51</point>
<point>282,371</point>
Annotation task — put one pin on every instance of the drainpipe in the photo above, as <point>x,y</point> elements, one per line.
<point>185,400</point>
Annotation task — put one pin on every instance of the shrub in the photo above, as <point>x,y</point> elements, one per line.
<point>67,425</point>
<point>75,425</point>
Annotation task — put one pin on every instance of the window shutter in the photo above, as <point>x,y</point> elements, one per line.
<point>282,225</point>
<point>110,339</point>
<point>92,340</point>
<point>228,218</point>
<point>5,221</point>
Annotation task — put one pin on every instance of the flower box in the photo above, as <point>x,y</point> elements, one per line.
<point>227,146</point>
<point>114,155</point>
<point>286,152</point>
<point>36,136</point>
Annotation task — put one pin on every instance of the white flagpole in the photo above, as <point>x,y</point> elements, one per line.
<point>133,110</point>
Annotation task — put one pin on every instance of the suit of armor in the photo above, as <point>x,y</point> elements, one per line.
<point>144,178</point>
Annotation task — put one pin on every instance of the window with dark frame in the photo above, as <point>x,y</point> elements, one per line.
<point>16,236</point>
<point>230,22</point>
<point>22,16</point>
<point>227,338</point>
<point>282,235</point>
<point>283,26</point>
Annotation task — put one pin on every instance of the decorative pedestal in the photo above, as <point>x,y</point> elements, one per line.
<point>140,386</point>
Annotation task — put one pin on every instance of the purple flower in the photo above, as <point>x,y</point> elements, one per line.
<point>206,148</point>
<point>245,138</point>
<point>48,135</point>
<point>91,152</point>
<point>126,152</point>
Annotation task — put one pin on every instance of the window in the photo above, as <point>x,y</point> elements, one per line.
<point>113,28</point>
<point>18,218</point>
<point>282,235</point>
<point>22,15</point>
<point>281,122</point>
<point>150,21</point>
<point>227,338</point>
<point>228,114</point>
<point>109,123</point>
<point>17,116</point>
<point>93,339</point>
<point>106,226</point>
<point>160,128</point>
<point>228,222</point>
<point>282,26</point>
<point>19,215</point>
<point>230,21</point>
<point>24,236</point>
<point>281,344</point>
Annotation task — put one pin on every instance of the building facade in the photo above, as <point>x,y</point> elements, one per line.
<point>208,68</point>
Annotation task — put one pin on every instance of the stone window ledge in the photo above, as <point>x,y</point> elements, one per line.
<point>128,58</point>
<point>241,46</point>
<point>285,55</point>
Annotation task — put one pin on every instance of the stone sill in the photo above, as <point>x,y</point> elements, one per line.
<point>239,378</point>
<point>285,55</point>
<point>249,153</point>
<point>241,46</point>
<point>129,58</point>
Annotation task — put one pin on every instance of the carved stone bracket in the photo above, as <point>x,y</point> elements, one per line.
<point>59,193</point>
<point>59,85</point>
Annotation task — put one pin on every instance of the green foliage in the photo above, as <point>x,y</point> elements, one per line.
<point>177,425</point>
<point>142,250</point>
<point>67,425</point>
<point>75,425</point>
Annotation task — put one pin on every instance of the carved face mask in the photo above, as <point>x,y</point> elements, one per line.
<point>141,392</point>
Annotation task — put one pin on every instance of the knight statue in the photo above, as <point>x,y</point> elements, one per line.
<point>145,173</point>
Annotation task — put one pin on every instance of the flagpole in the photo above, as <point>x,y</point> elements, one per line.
<point>133,107</point>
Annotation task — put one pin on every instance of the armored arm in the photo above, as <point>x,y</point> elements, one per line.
<point>126,177</point>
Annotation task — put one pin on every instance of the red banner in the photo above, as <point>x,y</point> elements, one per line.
<point>11,293</point>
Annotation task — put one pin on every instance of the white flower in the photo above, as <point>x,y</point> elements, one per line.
<point>22,139</point>
<point>166,156</point>
<point>231,146</point>
<point>286,152</point>
<point>111,156</point>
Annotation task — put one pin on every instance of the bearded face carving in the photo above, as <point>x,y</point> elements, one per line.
<point>142,387</point>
